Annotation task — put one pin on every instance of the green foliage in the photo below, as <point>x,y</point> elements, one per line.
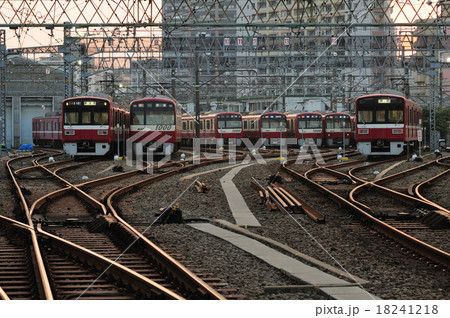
<point>442,120</point>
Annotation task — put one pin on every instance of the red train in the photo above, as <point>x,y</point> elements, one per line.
<point>218,126</point>
<point>302,126</point>
<point>270,126</point>
<point>156,119</point>
<point>385,123</point>
<point>339,129</point>
<point>93,126</point>
<point>47,131</point>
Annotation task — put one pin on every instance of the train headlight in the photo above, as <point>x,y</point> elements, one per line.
<point>69,132</point>
<point>397,131</point>
<point>102,132</point>
<point>363,131</point>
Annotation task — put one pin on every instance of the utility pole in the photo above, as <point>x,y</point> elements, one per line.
<point>197,97</point>
<point>173,83</point>
<point>68,59</point>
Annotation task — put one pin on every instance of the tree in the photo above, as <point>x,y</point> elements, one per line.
<point>442,121</point>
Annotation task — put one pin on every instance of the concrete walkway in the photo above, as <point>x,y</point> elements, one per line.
<point>332,286</point>
<point>238,207</point>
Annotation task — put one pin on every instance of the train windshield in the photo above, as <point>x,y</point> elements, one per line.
<point>337,121</point>
<point>273,121</point>
<point>152,113</point>
<point>86,112</point>
<point>309,122</point>
<point>376,110</point>
<point>229,121</point>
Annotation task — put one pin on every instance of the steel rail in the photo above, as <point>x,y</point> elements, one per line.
<point>200,285</point>
<point>3,295</point>
<point>423,184</point>
<point>406,240</point>
<point>91,201</point>
<point>352,171</point>
<point>41,273</point>
<point>404,172</point>
<point>309,173</point>
<point>114,269</point>
<point>189,279</point>
<point>43,285</point>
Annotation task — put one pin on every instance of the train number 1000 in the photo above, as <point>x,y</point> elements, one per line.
<point>163,127</point>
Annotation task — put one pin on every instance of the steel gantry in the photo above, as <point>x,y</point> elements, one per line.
<point>262,53</point>
<point>2,87</point>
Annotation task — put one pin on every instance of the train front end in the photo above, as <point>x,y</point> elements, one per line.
<point>309,126</point>
<point>88,129</point>
<point>338,129</point>
<point>229,129</point>
<point>155,126</point>
<point>273,128</point>
<point>380,125</point>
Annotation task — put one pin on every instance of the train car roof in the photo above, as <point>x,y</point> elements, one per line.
<point>264,114</point>
<point>99,96</point>
<point>155,97</point>
<point>378,95</point>
<point>219,112</point>
<point>304,113</point>
<point>392,94</point>
<point>338,113</point>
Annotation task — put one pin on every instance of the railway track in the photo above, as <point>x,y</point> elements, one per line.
<point>58,231</point>
<point>67,216</point>
<point>364,214</point>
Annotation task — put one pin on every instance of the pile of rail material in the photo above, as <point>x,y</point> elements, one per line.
<point>277,197</point>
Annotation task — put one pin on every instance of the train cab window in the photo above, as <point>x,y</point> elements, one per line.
<point>85,117</point>
<point>100,118</point>
<point>380,116</point>
<point>365,116</point>
<point>395,116</point>
<point>71,118</point>
<point>137,116</point>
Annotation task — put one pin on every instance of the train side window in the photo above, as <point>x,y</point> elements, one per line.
<point>208,125</point>
<point>245,124</point>
<point>201,125</point>
<point>252,124</point>
<point>184,125</point>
